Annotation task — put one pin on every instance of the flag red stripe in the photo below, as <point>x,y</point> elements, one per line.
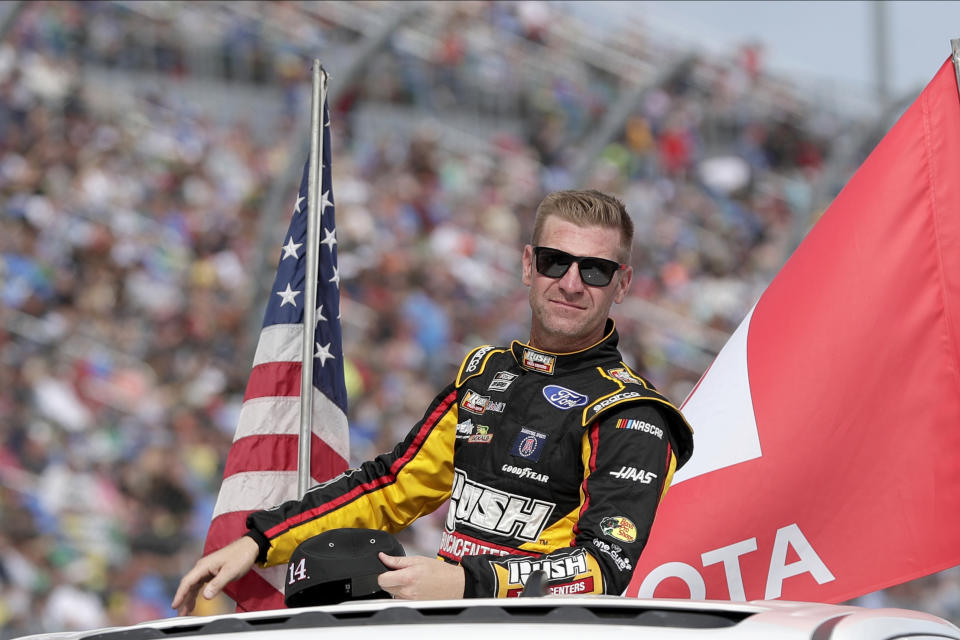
<point>280,452</point>
<point>223,530</point>
<point>273,379</point>
<point>253,593</point>
<point>425,429</point>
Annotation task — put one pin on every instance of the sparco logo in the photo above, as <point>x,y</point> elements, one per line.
<point>487,509</point>
<point>556,569</point>
<point>477,358</point>
<point>614,399</point>
<point>525,472</point>
<point>563,398</point>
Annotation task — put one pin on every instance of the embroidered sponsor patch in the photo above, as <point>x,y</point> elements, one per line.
<point>640,425</point>
<point>563,398</point>
<point>501,381</point>
<point>613,551</point>
<point>614,399</point>
<point>573,570</point>
<point>474,402</point>
<point>529,444</point>
<point>483,508</point>
<point>624,375</point>
<point>619,528</point>
<point>456,546</point>
<point>477,358</point>
<point>464,429</point>
<point>481,434</point>
<point>634,474</point>
<point>537,361</point>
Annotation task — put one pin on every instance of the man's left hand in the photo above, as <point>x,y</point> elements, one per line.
<point>420,578</point>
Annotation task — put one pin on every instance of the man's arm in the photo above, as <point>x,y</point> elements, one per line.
<point>386,493</point>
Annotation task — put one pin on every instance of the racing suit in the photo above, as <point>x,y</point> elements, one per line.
<point>549,461</point>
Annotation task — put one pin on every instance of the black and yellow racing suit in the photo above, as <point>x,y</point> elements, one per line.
<point>549,461</point>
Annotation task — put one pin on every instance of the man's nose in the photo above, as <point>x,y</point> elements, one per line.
<point>571,281</point>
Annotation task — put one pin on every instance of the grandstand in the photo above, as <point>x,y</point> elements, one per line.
<point>148,159</point>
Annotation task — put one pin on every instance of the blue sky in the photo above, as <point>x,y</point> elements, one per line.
<point>830,43</point>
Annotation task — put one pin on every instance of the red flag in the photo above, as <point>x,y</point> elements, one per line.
<point>827,431</point>
<point>261,468</point>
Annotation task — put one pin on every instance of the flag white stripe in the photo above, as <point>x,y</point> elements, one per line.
<point>275,575</point>
<point>255,490</point>
<point>279,343</point>
<point>281,415</point>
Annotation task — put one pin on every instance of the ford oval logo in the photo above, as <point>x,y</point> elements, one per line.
<point>563,398</point>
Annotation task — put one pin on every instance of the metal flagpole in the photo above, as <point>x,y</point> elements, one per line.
<point>955,46</point>
<point>310,286</point>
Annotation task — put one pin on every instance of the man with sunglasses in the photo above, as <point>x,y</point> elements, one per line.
<point>553,454</point>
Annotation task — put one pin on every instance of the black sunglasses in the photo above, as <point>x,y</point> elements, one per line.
<point>596,272</point>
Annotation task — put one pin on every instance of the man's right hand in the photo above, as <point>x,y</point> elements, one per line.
<point>215,571</point>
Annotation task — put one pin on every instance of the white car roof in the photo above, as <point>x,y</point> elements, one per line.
<point>560,617</point>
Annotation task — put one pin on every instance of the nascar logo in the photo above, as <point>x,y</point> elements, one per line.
<point>640,425</point>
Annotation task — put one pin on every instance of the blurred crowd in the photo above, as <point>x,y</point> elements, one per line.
<point>129,239</point>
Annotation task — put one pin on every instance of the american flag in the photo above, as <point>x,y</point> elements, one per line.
<point>261,467</point>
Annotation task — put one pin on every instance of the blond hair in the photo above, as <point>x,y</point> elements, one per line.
<point>587,208</point>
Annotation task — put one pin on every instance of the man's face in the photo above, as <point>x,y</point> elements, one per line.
<point>569,315</point>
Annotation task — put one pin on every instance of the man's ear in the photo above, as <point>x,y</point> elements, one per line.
<point>527,264</point>
<point>623,283</point>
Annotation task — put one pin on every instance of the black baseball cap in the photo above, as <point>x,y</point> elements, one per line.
<point>338,565</point>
